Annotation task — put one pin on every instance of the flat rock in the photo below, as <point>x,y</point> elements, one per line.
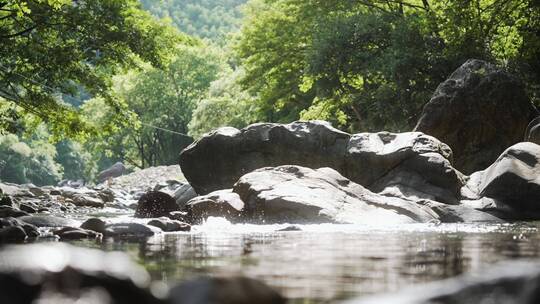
<point>169,225</point>
<point>46,221</point>
<point>72,233</point>
<point>129,230</point>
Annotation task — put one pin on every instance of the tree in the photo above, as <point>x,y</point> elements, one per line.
<point>226,104</point>
<point>162,101</point>
<point>32,162</point>
<point>372,65</point>
<point>51,48</point>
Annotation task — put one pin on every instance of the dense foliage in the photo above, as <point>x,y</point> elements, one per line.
<point>129,87</point>
<point>162,101</point>
<point>371,65</point>
<point>51,48</point>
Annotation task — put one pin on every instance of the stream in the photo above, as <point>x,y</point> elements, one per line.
<point>328,263</point>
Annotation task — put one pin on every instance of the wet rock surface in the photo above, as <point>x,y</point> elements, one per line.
<point>222,203</point>
<point>155,204</point>
<point>130,229</point>
<point>169,225</point>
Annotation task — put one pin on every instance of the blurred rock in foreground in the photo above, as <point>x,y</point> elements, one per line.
<point>505,283</point>
<point>61,273</point>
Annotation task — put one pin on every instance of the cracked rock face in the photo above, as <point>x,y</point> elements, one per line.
<point>408,162</point>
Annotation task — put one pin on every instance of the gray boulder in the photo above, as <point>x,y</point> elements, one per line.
<point>118,169</point>
<point>7,211</point>
<point>479,111</point>
<point>222,203</point>
<point>293,194</point>
<point>412,163</point>
<point>219,159</point>
<point>514,178</point>
<point>12,234</point>
<point>94,224</point>
<point>128,230</point>
<point>184,194</point>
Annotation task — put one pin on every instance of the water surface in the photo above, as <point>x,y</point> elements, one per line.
<point>328,263</point>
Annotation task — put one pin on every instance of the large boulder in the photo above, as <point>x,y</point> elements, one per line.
<point>59,273</point>
<point>293,194</point>
<point>413,164</point>
<point>479,111</point>
<point>220,158</point>
<point>514,179</point>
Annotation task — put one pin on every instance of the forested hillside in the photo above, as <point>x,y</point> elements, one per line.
<point>212,19</point>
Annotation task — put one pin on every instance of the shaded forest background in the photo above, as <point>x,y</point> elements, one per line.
<point>88,83</point>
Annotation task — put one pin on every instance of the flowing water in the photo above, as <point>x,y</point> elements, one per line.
<point>327,263</point>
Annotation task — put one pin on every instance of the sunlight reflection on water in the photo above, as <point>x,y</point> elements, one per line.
<point>325,263</point>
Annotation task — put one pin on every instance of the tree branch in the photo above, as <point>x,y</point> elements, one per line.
<point>19,33</point>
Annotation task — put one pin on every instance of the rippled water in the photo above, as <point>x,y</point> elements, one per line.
<point>327,263</point>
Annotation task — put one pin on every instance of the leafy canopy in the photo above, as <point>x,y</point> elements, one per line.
<point>49,49</point>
